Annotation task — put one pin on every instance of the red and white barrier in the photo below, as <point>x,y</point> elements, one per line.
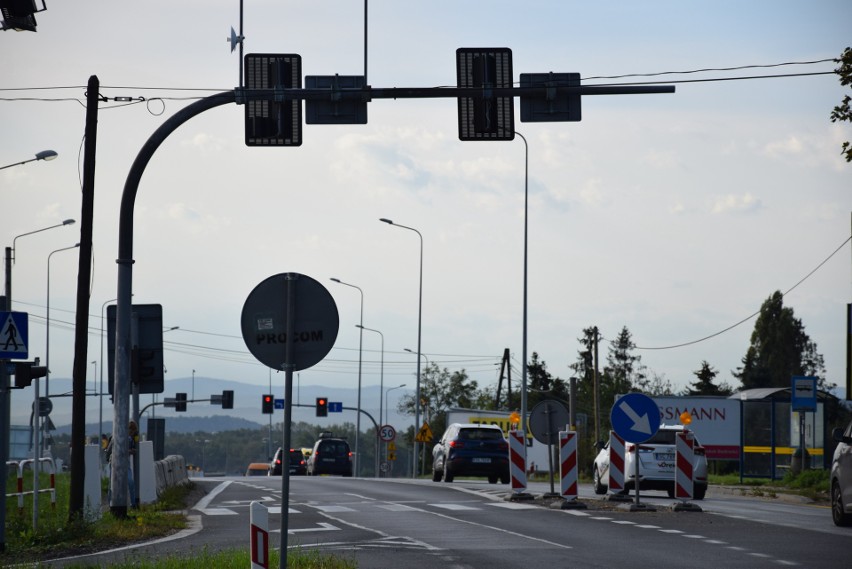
<point>260,536</point>
<point>518,461</point>
<point>616,463</point>
<point>684,459</point>
<point>568,463</point>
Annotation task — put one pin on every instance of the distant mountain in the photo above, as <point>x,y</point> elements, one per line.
<point>245,414</point>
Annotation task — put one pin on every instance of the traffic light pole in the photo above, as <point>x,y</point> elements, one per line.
<point>121,390</point>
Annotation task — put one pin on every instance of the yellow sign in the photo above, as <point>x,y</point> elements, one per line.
<point>391,456</point>
<point>424,435</point>
<point>391,445</point>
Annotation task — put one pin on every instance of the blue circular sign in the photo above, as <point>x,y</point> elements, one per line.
<point>635,417</point>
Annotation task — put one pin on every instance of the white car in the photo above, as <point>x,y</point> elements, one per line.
<point>841,477</point>
<point>656,465</point>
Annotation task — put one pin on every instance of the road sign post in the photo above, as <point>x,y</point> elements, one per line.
<point>635,417</point>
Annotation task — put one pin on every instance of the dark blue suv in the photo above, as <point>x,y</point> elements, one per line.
<point>471,450</point>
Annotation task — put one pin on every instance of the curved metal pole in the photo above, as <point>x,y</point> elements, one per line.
<point>121,389</point>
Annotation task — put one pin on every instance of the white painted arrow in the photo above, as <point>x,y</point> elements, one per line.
<point>640,424</point>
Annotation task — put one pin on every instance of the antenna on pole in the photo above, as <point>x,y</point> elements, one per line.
<point>235,39</point>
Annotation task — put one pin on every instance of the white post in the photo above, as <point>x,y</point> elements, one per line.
<point>259,535</point>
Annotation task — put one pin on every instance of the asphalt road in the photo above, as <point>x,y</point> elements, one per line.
<point>469,524</point>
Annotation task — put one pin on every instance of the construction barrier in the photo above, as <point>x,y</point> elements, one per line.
<point>259,536</point>
<point>684,459</point>
<point>568,463</point>
<point>616,463</point>
<point>171,471</point>
<point>518,461</point>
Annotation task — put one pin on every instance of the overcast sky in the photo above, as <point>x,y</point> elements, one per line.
<point>675,215</point>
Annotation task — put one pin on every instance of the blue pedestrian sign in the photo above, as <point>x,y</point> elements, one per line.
<point>14,335</point>
<point>635,417</point>
<point>335,407</point>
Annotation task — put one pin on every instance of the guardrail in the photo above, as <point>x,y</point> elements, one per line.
<point>20,465</point>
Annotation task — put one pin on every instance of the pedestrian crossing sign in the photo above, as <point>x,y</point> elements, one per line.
<point>14,335</point>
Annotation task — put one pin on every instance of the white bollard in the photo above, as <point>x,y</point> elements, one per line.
<point>259,539</point>
<point>92,482</point>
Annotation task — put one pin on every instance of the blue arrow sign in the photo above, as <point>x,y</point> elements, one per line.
<point>14,335</point>
<point>278,403</point>
<point>635,417</point>
<point>335,407</point>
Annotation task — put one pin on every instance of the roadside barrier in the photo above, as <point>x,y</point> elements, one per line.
<point>259,536</point>
<point>616,463</point>
<point>684,459</point>
<point>517,462</point>
<point>568,463</point>
<point>20,465</point>
<point>171,471</point>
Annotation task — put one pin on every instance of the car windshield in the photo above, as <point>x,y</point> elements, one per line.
<point>333,447</point>
<point>664,437</point>
<point>480,434</point>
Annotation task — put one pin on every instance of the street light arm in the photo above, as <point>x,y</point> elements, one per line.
<point>43,155</point>
<point>66,222</point>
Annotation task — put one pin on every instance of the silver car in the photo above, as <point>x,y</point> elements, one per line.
<point>841,477</point>
<point>656,465</point>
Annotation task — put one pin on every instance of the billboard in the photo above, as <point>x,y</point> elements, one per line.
<point>715,422</point>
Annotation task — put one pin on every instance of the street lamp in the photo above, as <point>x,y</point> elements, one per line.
<point>381,385</point>
<point>524,347</point>
<point>419,329</point>
<point>47,325</point>
<point>360,349</point>
<point>386,400</point>
<point>45,155</point>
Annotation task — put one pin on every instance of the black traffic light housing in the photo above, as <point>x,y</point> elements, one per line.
<point>266,404</point>
<point>26,372</point>
<point>227,399</point>
<point>180,402</point>
<point>322,406</point>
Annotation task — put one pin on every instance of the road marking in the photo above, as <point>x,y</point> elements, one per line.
<point>217,511</point>
<point>332,509</point>
<point>514,506</point>
<point>324,526</point>
<point>454,507</point>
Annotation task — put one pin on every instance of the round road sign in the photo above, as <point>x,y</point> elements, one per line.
<point>635,417</point>
<point>387,433</point>
<point>547,418</point>
<point>265,316</point>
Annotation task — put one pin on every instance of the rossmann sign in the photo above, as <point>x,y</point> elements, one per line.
<point>715,422</point>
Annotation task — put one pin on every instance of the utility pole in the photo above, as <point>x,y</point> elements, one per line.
<point>597,386</point>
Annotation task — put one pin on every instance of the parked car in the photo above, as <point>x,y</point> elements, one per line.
<point>471,450</point>
<point>257,469</point>
<point>298,465</point>
<point>330,455</point>
<point>841,477</point>
<point>656,464</point>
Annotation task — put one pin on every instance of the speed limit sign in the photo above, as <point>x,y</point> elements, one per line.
<point>387,433</point>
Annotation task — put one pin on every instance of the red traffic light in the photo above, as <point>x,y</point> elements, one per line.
<point>266,404</point>
<point>322,407</point>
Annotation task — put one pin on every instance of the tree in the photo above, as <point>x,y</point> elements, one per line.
<point>541,385</point>
<point>624,371</point>
<point>705,385</point>
<point>440,390</point>
<point>780,348</point>
<point>843,111</point>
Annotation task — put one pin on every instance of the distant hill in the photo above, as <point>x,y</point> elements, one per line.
<point>210,424</point>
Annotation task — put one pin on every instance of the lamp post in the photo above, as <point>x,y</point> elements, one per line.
<point>101,410</point>
<point>193,384</point>
<point>419,329</point>
<point>386,400</point>
<point>45,155</point>
<point>360,359</point>
<point>47,324</point>
<point>524,347</point>
<point>381,385</point>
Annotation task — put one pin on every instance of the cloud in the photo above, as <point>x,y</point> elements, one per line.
<point>745,203</point>
<point>790,146</point>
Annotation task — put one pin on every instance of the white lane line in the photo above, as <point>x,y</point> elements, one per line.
<point>454,507</point>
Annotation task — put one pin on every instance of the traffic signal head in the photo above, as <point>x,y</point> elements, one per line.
<point>180,401</point>
<point>227,399</point>
<point>322,406</point>
<point>266,404</point>
<point>25,372</point>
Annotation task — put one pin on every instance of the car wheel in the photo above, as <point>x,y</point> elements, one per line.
<point>600,488</point>
<point>840,517</point>
<point>700,492</point>
<point>492,479</point>
<point>670,492</point>
<point>504,479</point>
<point>436,475</point>
<point>448,476</point>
